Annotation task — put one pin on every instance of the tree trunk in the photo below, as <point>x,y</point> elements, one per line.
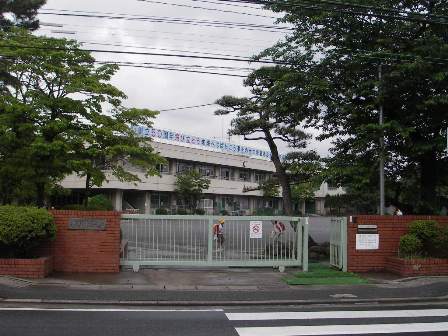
<point>283,178</point>
<point>87,191</point>
<point>428,183</point>
<point>40,192</point>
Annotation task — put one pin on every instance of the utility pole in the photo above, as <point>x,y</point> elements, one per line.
<point>381,123</point>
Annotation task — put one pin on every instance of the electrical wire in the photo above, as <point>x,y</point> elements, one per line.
<point>172,20</point>
<point>345,9</point>
<point>206,8</point>
<point>146,54</point>
<point>185,107</point>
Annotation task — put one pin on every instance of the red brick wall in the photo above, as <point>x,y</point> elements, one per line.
<point>416,267</point>
<point>81,251</point>
<point>26,268</point>
<point>390,229</point>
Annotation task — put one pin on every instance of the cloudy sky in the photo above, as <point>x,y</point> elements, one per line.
<point>187,27</point>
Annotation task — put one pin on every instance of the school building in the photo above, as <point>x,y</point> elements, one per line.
<point>232,169</point>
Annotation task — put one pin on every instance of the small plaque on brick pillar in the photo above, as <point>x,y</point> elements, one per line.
<point>89,224</point>
<point>367,237</point>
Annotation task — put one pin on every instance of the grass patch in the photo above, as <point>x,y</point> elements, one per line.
<point>324,275</point>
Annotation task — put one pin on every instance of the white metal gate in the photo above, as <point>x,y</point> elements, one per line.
<point>338,243</point>
<point>153,240</point>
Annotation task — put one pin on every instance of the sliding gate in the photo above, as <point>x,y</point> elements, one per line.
<point>157,240</point>
<point>338,243</point>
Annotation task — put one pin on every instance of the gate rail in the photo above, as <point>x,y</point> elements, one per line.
<point>338,243</point>
<point>178,240</point>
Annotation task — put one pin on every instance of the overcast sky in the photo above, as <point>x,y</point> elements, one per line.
<point>164,89</point>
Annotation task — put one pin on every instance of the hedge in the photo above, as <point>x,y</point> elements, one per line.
<point>22,229</point>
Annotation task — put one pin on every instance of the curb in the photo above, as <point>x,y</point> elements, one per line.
<point>443,299</point>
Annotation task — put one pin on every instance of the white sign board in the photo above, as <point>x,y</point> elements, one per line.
<point>367,241</point>
<point>256,229</point>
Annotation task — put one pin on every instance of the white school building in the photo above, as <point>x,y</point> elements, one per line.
<point>231,169</point>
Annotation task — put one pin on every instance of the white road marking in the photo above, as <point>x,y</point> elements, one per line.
<point>335,314</point>
<point>107,310</point>
<point>343,329</point>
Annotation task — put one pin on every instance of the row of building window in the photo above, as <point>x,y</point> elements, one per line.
<point>162,200</point>
<point>225,173</point>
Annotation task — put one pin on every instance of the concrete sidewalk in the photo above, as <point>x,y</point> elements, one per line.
<point>214,287</point>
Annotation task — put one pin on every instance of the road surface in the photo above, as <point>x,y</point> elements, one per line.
<point>68,321</point>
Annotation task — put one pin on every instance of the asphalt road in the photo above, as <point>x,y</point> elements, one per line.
<point>243,322</point>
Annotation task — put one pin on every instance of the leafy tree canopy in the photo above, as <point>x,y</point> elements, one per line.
<point>344,45</point>
<point>190,186</point>
<point>20,13</point>
<point>54,119</point>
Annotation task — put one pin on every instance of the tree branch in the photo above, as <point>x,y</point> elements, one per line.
<point>259,138</point>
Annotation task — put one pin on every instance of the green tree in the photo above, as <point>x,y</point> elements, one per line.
<point>267,115</point>
<point>344,46</point>
<point>58,101</point>
<point>190,186</point>
<point>306,174</point>
<point>19,13</point>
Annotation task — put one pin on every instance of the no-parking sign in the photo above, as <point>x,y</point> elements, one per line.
<point>256,229</point>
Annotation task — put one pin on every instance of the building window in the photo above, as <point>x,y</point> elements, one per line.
<point>227,203</point>
<point>260,177</point>
<point>163,168</point>
<point>159,200</point>
<point>183,167</point>
<point>226,174</point>
<point>244,203</point>
<point>206,171</point>
<point>244,175</point>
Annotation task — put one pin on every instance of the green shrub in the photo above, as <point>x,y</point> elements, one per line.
<point>99,203</point>
<point>427,231</point>
<point>199,212</point>
<point>74,207</point>
<point>22,229</point>
<point>224,212</point>
<point>95,203</point>
<point>161,211</point>
<point>264,212</point>
<point>181,211</point>
<point>441,243</point>
<point>410,246</point>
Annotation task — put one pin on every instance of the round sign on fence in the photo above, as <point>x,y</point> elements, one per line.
<point>256,229</point>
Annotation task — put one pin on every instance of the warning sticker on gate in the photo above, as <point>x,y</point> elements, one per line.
<point>256,229</point>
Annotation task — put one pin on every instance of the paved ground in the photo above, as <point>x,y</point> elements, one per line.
<point>115,321</point>
<point>178,279</point>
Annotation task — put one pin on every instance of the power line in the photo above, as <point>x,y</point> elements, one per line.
<point>172,20</point>
<point>227,3</point>
<point>182,70</point>
<point>186,107</point>
<point>147,54</point>
<point>151,39</point>
<point>206,8</point>
<point>53,25</point>
<point>177,64</point>
<point>163,49</point>
<point>346,10</point>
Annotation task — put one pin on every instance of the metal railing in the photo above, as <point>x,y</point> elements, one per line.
<point>179,240</point>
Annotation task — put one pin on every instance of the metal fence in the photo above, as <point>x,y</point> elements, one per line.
<point>338,243</point>
<point>158,240</point>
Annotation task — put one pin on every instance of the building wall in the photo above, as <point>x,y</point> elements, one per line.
<point>390,229</point>
<point>86,250</point>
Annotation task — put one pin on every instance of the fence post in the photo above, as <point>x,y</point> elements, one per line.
<point>344,244</point>
<point>299,239</point>
<point>305,245</point>
<point>210,240</point>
